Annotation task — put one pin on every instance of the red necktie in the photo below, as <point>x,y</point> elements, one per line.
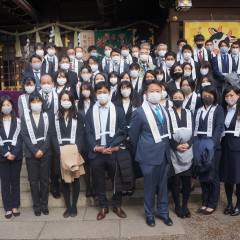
<point>200,56</point>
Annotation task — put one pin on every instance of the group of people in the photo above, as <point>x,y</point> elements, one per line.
<point>135,112</point>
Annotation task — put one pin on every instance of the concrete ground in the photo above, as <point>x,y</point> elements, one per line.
<point>85,226</point>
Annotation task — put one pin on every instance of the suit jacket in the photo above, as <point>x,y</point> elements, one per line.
<point>8,147</point>
<point>147,151</point>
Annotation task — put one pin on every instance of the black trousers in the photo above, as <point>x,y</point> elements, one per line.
<point>179,183</point>
<point>10,183</point>
<point>88,173</point>
<point>67,189</point>
<point>101,164</point>
<point>229,187</point>
<point>38,176</point>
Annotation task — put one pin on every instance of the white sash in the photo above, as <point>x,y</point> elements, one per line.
<point>209,124</point>
<point>174,120</point>
<point>96,121</point>
<point>24,103</point>
<point>195,54</point>
<point>219,60</point>
<point>152,122</point>
<point>194,75</point>
<point>47,57</point>
<point>75,65</point>
<point>193,102</point>
<point>72,138</point>
<point>236,131</point>
<point>121,68</point>
<point>31,133</point>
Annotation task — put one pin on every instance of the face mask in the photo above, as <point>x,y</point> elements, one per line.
<point>187,73</point>
<point>116,59</point>
<point>36,107</point>
<point>66,104</point>
<point>231,101</point>
<point>154,97</point>
<point>161,53</point>
<point>199,46</point>
<point>160,77</point>
<point>72,57</point>
<point>79,55</point>
<point>206,84</point>
<point>208,100</point>
<point>40,52</point>
<point>209,48</point>
<point>47,88</point>
<point>94,67</point>
<point>94,54</point>
<point>164,95</point>
<point>125,53</point>
<point>36,66</point>
<point>177,75</point>
<point>113,80</point>
<point>134,73</point>
<point>235,51</point>
<point>135,54</point>
<point>61,81</point>
<point>6,110</point>
<point>126,92</point>
<point>107,53</point>
<point>204,71</point>
<point>224,50</point>
<point>85,77</point>
<point>177,103</point>
<point>86,93</point>
<point>187,55</point>
<point>169,63</point>
<point>65,66</point>
<point>186,90</point>
<point>29,89</point>
<point>51,52</point>
<point>144,57</point>
<point>102,98</point>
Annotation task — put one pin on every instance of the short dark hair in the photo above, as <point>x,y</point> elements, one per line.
<point>134,65</point>
<point>170,53</point>
<point>90,48</point>
<point>116,50</point>
<point>176,91</point>
<point>199,37</point>
<point>223,41</point>
<point>153,82</point>
<point>101,85</point>
<point>187,47</point>
<point>35,56</point>
<point>191,83</point>
<point>181,40</point>
<point>35,96</point>
<point>64,56</point>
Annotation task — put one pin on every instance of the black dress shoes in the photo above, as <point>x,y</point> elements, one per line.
<point>66,214</point>
<point>45,211</point>
<point>167,221</point>
<point>228,210</point>
<point>179,212</point>
<point>37,213</point>
<point>73,212</point>
<point>236,211</point>
<point>150,221</point>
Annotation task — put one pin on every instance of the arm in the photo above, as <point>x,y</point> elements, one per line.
<point>90,131</point>
<point>216,72</point>
<point>80,133</point>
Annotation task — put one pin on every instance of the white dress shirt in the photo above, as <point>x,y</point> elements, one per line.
<point>126,103</point>
<point>205,111</point>
<point>6,125</point>
<point>103,112</point>
<point>36,118</point>
<point>230,113</point>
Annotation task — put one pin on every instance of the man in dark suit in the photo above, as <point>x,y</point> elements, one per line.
<point>149,134</point>
<point>103,122</point>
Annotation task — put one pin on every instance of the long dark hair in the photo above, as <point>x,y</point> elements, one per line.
<point>85,86</point>
<point>212,90</point>
<point>13,113</point>
<point>72,111</point>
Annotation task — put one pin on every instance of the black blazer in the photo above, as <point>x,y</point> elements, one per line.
<point>8,147</point>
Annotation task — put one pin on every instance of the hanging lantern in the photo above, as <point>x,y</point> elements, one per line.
<point>18,52</point>
<point>183,5</point>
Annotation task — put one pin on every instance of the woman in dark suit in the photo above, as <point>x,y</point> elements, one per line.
<point>230,164</point>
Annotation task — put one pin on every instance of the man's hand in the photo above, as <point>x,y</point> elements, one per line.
<point>11,157</point>
<point>99,149</point>
<point>39,154</point>
<point>107,151</point>
<point>115,149</point>
<point>181,148</point>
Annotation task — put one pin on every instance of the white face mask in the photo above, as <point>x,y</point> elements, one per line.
<point>135,54</point>
<point>187,55</point>
<point>36,66</point>
<point>36,107</point>
<point>154,97</point>
<point>40,52</point>
<point>231,101</point>
<point>113,80</point>
<point>85,77</point>
<point>187,73</point>
<point>86,93</point>
<point>51,52</point>
<point>169,63</point>
<point>47,88</point>
<point>204,71</point>
<point>162,53</point>
<point>29,89</point>
<point>164,95</point>
<point>61,81</point>
<point>204,84</point>
<point>160,77</point>
<point>134,73</point>
<point>107,53</point>
<point>79,55</point>
<point>126,92</point>
<point>94,67</point>
<point>103,98</point>
<point>235,51</point>
<point>66,104</point>
<point>72,57</point>
<point>6,110</point>
<point>65,66</point>
<point>144,57</point>
<point>116,59</point>
<point>125,53</point>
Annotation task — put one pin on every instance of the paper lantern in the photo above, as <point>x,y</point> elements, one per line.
<point>183,5</point>
<point>18,52</point>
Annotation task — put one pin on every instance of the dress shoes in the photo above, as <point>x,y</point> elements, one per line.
<point>150,221</point>
<point>102,213</point>
<point>119,212</point>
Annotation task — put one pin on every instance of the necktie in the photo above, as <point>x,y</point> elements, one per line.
<point>225,59</point>
<point>200,55</point>
<point>145,67</point>
<point>37,79</point>
<point>47,99</point>
<point>159,115</point>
